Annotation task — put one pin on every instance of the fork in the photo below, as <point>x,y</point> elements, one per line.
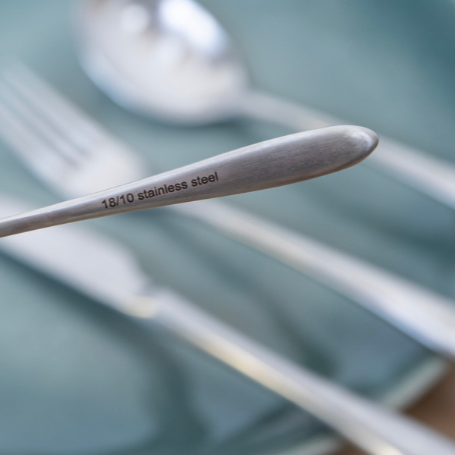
<point>74,155</point>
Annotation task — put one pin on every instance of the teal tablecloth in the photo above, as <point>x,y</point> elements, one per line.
<point>75,378</point>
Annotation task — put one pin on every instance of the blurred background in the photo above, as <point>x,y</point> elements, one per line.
<point>77,378</point>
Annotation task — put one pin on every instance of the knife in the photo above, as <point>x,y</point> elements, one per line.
<point>113,277</point>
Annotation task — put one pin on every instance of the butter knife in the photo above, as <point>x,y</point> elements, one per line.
<point>113,277</point>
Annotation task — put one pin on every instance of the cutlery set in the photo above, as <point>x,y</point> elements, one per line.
<point>29,110</point>
<point>77,158</point>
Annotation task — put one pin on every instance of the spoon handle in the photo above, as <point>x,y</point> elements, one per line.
<point>269,164</point>
<point>422,172</point>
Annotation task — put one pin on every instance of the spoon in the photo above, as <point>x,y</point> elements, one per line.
<point>268,164</point>
<point>172,60</point>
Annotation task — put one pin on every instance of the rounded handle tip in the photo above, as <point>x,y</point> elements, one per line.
<point>365,139</point>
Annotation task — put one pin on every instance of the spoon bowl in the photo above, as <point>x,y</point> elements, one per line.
<point>169,59</point>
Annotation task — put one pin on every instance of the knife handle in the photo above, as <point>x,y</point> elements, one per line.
<point>368,425</point>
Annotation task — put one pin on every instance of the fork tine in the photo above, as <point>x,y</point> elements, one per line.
<point>63,116</point>
<point>36,120</point>
<point>80,138</point>
<point>31,147</point>
<point>51,134</point>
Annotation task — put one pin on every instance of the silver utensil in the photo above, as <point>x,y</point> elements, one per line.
<point>147,58</point>
<point>68,151</point>
<point>269,164</point>
<point>125,288</point>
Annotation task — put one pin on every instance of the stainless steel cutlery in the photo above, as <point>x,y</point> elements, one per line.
<point>69,152</point>
<point>172,60</point>
<point>127,290</point>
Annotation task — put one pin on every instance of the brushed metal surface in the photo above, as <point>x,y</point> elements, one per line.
<point>268,164</point>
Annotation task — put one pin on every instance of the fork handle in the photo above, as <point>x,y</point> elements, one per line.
<point>369,426</point>
<point>424,315</point>
<point>269,164</point>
